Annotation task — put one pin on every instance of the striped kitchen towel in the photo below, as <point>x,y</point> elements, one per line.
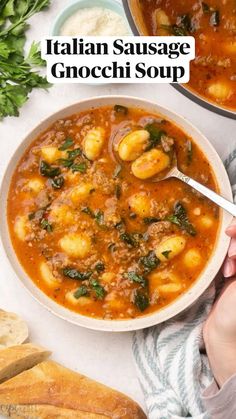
<point>172,367</point>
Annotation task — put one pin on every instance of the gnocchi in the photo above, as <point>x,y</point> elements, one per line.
<point>21,227</point>
<point>133,145</point>
<point>140,204</point>
<point>93,143</point>
<point>47,276</point>
<point>170,247</point>
<point>35,185</point>
<point>150,164</point>
<point>206,221</point>
<point>165,283</point>
<point>51,154</point>
<point>61,214</point>
<point>76,245</point>
<point>220,91</point>
<point>81,192</point>
<point>192,258</point>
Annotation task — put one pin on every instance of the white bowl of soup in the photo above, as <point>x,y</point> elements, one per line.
<point>213,73</point>
<point>95,240</point>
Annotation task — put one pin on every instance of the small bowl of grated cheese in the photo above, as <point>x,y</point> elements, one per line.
<point>92,18</point>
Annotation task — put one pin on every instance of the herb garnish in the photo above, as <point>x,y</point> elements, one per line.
<point>134,277</point>
<point>67,144</point>
<point>166,253</point>
<point>130,238</point>
<point>99,289</point>
<point>180,219</point>
<point>155,135</point>
<point>79,167</point>
<point>73,273</point>
<point>17,71</point>
<point>45,225</point>
<point>81,292</point>
<point>141,300</point>
<point>49,171</point>
<point>150,261</point>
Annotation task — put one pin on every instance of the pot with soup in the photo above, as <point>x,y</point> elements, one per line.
<point>213,25</point>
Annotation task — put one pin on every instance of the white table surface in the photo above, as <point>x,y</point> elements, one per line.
<point>103,356</point>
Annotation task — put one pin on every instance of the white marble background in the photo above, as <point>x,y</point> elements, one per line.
<point>103,356</point>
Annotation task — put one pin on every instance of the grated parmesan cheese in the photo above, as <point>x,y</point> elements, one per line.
<point>95,21</point>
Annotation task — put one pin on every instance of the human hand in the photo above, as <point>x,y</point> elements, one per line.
<point>229,267</point>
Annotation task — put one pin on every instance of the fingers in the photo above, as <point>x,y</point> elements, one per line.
<point>231,230</point>
<point>232,249</point>
<point>229,267</point>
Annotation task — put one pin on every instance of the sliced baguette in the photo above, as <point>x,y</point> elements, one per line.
<point>51,384</point>
<point>45,412</point>
<point>13,330</point>
<point>19,358</point>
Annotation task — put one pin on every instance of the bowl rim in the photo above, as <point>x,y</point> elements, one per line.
<point>206,277</point>
<point>189,93</point>
<point>68,10</point>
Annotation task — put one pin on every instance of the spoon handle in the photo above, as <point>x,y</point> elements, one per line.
<point>213,196</point>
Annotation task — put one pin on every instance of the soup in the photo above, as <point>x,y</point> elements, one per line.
<point>99,237</point>
<point>213,24</point>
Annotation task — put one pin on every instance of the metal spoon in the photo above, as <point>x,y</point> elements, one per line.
<point>213,196</point>
<point>176,173</point>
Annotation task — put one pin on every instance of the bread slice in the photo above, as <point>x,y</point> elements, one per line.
<point>51,384</point>
<point>19,358</point>
<point>46,412</point>
<point>13,330</point>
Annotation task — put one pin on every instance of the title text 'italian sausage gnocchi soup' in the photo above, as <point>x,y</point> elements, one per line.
<point>213,24</point>
<point>101,238</point>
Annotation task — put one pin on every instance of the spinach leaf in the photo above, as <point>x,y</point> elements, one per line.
<point>180,219</point>
<point>141,300</point>
<point>58,182</point>
<point>72,154</point>
<point>155,135</point>
<point>73,273</point>
<point>79,167</point>
<point>134,277</point>
<point>99,289</point>
<point>166,253</point>
<point>49,171</point>
<point>122,110</point>
<point>45,225</point>
<point>132,239</point>
<point>150,261</point>
<point>67,144</point>
<point>81,292</point>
